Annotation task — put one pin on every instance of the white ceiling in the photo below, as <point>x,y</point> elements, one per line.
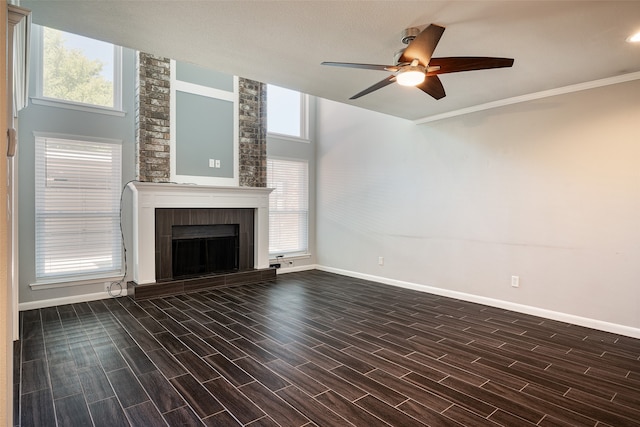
<point>554,43</point>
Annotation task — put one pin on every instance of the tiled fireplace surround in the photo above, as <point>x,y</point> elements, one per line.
<point>195,205</point>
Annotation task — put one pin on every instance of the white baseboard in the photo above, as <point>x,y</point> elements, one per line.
<point>32,305</point>
<point>506,305</point>
<point>520,308</point>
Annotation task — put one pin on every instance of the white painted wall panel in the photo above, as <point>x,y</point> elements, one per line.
<point>548,190</point>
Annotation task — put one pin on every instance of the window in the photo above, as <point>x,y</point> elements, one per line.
<point>77,209</point>
<point>288,206</point>
<point>77,69</point>
<point>286,112</point>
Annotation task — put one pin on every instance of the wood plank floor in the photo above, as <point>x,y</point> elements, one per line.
<point>315,348</point>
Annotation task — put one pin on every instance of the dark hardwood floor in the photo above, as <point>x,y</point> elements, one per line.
<point>315,348</point>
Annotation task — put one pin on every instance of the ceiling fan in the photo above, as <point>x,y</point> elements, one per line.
<point>414,65</point>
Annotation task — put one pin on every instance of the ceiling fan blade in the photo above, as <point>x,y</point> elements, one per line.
<point>432,86</point>
<point>423,45</point>
<point>361,66</point>
<point>455,64</point>
<point>379,85</point>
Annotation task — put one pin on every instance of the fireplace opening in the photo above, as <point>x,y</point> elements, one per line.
<point>198,250</point>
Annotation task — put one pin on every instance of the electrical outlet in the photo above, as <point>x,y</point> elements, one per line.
<point>217,164</point>
<point>380,260</point>
<point>515,281</point>
<point>212,163</point>
<point>107,286</point>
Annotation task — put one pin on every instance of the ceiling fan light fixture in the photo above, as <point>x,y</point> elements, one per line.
<point>635,38</point>
<point>411,66</point>
<point>410,75</point>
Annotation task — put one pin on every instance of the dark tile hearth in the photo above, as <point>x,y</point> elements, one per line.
<point>317,349</point>
<point>181,286</point>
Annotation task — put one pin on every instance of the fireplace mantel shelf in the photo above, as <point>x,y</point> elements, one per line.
<point>158,187</point>
<point>147,196</point>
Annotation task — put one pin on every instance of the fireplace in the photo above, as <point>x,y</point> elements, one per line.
<point>188,205</point>
<point>199,250</point>
<point>202,241</point>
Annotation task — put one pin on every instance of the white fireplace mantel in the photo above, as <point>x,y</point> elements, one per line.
<point>147,196</point>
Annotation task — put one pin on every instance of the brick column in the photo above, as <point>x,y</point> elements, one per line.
<point>253,133</point>
<point>153,125</point>
<point>152,118</point>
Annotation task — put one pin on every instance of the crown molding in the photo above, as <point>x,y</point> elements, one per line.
<point>531,96</point>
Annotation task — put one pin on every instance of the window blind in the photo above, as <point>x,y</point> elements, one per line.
<point>77,209</point>
<point>288,206</point>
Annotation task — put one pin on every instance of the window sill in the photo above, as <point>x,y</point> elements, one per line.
<point>289,138</point>
<point>69,105</point>
<point>288,257</point>
<point>62,283</point>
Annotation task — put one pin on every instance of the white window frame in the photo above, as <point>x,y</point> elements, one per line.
<point>273,194</point>
<point>40,99</point>
<point>45,281</point>
<point>304,121</point>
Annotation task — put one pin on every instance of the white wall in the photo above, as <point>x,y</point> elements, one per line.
<point>548,190</point>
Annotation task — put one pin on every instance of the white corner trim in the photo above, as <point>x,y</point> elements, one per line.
<point>531,96</point>
<point>32,305</point>
<point>520,308</point>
